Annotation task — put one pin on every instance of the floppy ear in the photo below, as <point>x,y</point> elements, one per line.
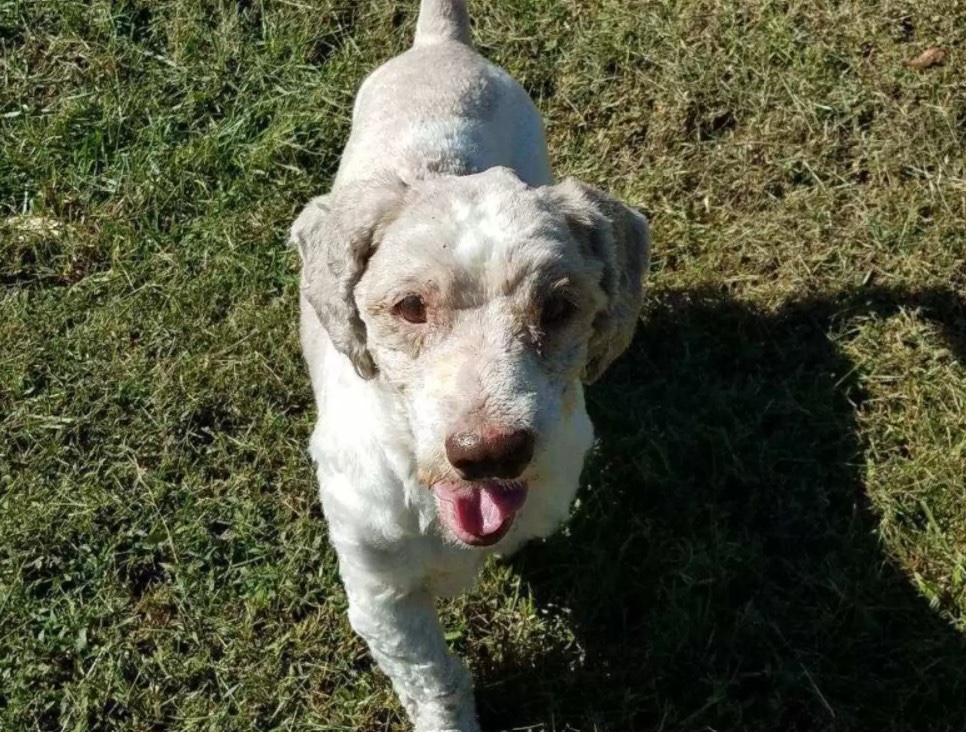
<point>336,235</point>
<point>619,238</point>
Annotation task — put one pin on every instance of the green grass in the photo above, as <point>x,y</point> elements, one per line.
<point>773,530</point>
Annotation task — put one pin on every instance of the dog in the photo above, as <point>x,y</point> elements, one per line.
<point>454,300</point>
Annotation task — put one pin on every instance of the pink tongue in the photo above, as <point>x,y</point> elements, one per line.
<point>482,511</point>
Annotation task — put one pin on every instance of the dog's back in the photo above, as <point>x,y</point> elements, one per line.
<point>440,107</point>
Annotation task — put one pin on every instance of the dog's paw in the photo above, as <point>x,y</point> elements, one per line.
<point>451,714</point>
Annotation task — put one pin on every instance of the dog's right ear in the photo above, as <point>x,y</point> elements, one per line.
<point>336,235</point>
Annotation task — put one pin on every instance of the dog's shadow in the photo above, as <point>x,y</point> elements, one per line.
<point>723,570</point>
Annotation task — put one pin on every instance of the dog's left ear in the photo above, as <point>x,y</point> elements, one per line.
<point>619,238</point>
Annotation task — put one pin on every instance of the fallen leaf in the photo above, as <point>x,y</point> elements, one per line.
<point>930,57</point>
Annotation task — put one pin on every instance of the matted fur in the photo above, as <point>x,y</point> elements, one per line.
<point>445,193</point>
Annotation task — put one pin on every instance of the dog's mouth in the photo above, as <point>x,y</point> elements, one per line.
<point>479,513</point>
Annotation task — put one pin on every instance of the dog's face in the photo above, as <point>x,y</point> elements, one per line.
<point>481,303</point>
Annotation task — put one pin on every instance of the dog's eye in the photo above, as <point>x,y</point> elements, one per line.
<point>411,308</point>
<point>557,310</point>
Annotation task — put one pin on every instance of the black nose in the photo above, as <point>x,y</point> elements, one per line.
<point>478,455</point>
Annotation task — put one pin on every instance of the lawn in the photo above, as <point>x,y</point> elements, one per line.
<point>772,530</point>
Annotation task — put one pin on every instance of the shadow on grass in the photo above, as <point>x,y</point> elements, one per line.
<point>722,572</point>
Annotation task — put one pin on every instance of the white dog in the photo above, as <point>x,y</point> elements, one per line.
<point>453,301</point>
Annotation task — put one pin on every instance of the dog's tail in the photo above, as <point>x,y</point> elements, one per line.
<point>442,20</point>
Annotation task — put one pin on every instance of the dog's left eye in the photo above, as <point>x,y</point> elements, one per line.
<point>557,310</point>
<point>411,308</point>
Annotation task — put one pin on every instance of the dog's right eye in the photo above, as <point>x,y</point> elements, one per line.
<point>411,308</point>
<point>556,312</point>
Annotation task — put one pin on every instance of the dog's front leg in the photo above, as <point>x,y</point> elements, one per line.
<point>406,640</point>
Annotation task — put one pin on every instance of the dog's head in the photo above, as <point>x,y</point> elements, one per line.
<point>483,303</point>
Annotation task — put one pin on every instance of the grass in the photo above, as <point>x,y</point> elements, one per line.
<point>772,535</point>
